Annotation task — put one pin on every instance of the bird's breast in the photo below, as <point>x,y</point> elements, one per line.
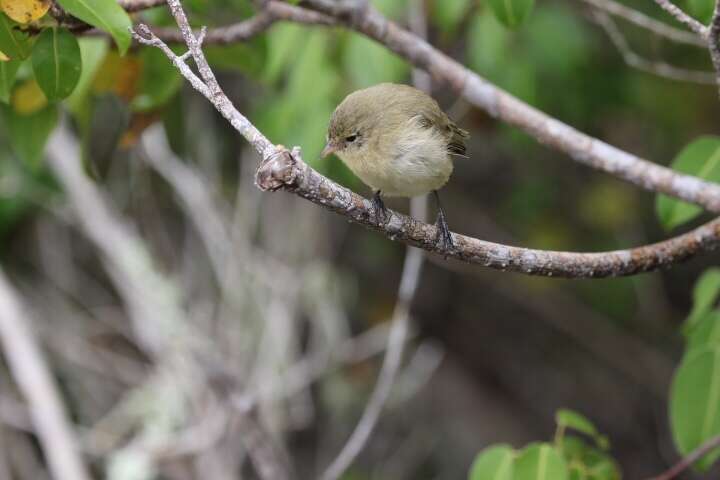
<point>415,164</point>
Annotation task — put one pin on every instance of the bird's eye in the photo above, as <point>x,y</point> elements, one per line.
<point>351,138</point>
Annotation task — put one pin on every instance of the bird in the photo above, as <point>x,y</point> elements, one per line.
<point>400,143</point>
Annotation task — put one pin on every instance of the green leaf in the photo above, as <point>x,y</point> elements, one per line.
<point>512,13</point>
<point>159,80</point>
<point>8,70</point>
<point>540,461</point>
<point>701,9</point>
<point>569,419</point>
<point>695,403</point>
<point>57,63</point>
<point>104,14</point>
<point>493,463</point>
<point>92,52</point>
<point>246,57</point>
<point>586,462</point>
<point>30,133</point>
<point>14,43</point>
<point>447,15</point>
<point>368,63</point>
<point>700,158</point>
<point>705,294</point>
<point>706,332</point>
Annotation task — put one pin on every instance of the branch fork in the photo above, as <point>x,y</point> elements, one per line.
<point>279,170</point>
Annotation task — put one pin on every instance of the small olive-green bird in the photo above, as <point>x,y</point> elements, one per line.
<point>399,142</point>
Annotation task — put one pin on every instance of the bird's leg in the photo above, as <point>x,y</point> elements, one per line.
<point>443,240</point>
<point>379,208</point>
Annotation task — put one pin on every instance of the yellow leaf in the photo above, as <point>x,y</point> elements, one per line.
<point>25,11</point>
<point>3,57</point>
<point>28,98</point>
<point>119,75</point>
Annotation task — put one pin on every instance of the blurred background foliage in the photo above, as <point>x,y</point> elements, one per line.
<point>515,348</point>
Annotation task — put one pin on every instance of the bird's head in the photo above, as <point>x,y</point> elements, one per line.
<point>352,125</point>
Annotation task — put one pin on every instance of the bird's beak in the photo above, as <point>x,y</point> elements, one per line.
<point>329,148</point>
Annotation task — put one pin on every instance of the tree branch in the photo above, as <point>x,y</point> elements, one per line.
<point>648,23</point>
<point>503,106</point>
<point>687,461</point>
<point>683,17</point>
<point>29,367</point>
<point>632,59</point>
<point>499,103</point>
<point>281,169</point>
<point>714,40</point>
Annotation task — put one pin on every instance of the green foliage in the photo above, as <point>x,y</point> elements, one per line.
<point>106,15</point>
<point>705,295</point>
<point>700,158</point>
<point>14,43</point>
<point>700,9</point>
<point>447,15</point>
<point>569,419</point>
<point>695,402</point>
<point>29,133</point>
<point>92,52</point>
<point>159,80</point>
<point>368,63</point>
<point>8,71</point>
<point>56,62</point>
<point>706,332</point>
<point>586,462</point>
<point>512,13</point>
<point>493,463</point>
<point>540,461</point>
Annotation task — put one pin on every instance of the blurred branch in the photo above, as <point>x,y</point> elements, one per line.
<point>683,17</point>
<point>688,460</point>
<point>137,5</point>
<point>409,280</point>
<point>714,40</point>
<point>32,374</point>
<point>648,23</point>
<point>390,367</point>
<point>634,60</point>
<point>282,169</point>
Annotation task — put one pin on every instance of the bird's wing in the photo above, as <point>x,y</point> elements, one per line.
<point>456,144</point>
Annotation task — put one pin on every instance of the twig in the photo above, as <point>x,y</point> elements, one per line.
<point>137,5</point>
<point>689,459</point>
<point>409,280</point>
<point>281,169</point>
<point>634,60</point>
<point>391,364</point>
<point>714,40</point>
<point>32,374</point>
<point>648,23</point>
<point>683,17</point>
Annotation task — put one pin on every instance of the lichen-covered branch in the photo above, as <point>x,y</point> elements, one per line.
<point>714,40</point>
<point>641,20</point>
<point>282,169</point>
<point>287,171</point>
<point>683,17</point>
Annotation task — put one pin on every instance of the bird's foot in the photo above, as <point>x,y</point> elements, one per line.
<point>443,239</point>
<point>379,210</point>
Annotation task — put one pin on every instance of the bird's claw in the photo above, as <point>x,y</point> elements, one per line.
<point>379,211</point>
<point>443,239</point>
